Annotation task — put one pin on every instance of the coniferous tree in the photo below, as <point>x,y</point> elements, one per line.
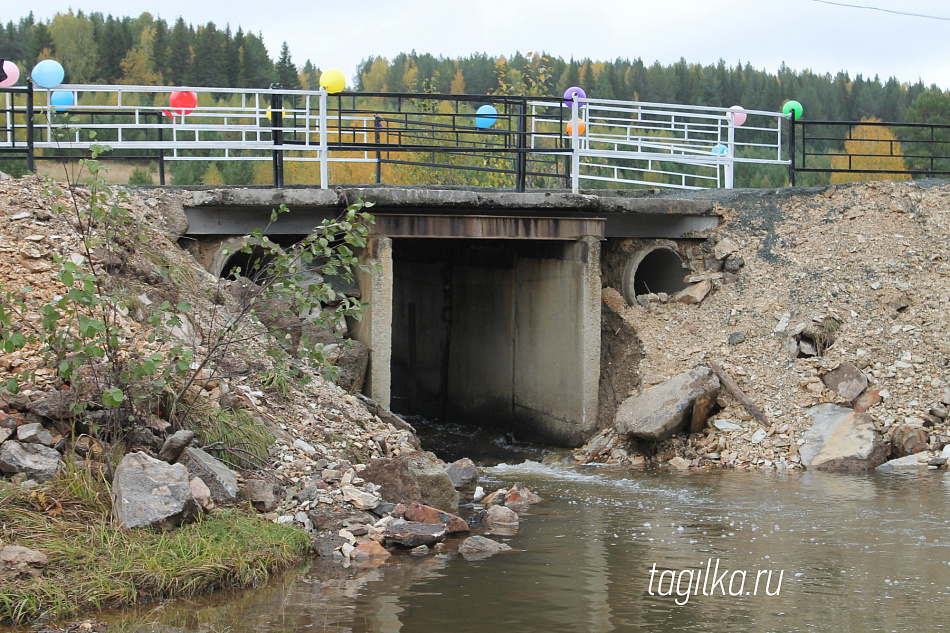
<point>286,71</point>
<point>41,43</point>
<point>159,52</point>
<point>178,59</point>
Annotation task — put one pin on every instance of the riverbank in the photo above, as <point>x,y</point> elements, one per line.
<point>861,267</point>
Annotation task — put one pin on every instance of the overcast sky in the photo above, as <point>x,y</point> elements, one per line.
<point>802,33</point>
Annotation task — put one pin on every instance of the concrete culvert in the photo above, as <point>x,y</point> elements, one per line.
<point>229,259</point>
<point>654,269</point>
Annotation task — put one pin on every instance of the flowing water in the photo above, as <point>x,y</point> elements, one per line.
<point>830,551</point>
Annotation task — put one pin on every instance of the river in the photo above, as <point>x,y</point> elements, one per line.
<point>635,551</point>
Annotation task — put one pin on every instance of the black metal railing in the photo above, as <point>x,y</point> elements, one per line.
<point>866,149</point>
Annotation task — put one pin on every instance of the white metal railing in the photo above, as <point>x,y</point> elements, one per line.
<point>619,142</point>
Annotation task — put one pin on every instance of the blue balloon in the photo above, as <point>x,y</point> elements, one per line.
<point>485,117</point>
<point>575,91</point>
<point>62,99</point>
<point>48,73</point>
<point>720,150</point>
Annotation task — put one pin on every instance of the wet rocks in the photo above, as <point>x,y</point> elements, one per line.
<point>395,481</point>
<point>434,484</point>
<point>419,513</point>
<point>908,462</point>
<point>477,547</point>
<point>519,497</point>
<point>464,476</point>
<point>841,439</point>
<point>18,562</point>
<point>36,461</point>
<point>501,517</point>
<point>152,493</point>
<point>410,535</point>
<point>660,411</point>
<point>907,439</point>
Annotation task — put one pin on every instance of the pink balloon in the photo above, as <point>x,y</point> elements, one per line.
<point>13,74</point>
<point>738,114</point>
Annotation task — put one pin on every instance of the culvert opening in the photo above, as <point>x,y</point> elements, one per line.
<point>654,270</point>
<point>251,265</point>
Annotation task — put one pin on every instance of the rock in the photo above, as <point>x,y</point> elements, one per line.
<point>841,439</point>
<point>419,513</point>
<point>733,263</point>
<point>305,447</point>
<point>395,481</point>
<point>352,366</point>
<point>370,549</point>
<point>908,462</point>
<point>702,406</point>
<point>909,440</point>
<point>660,411</point>
<point>175,444</point>
<point>519,497</point>
<point>325,544</point>
<point>464,476</point>
<point>422,550</point>
<point>330,517</point>
<point>20,562</point>
<point>34,460</point>
<point>500,517</point>
<point>218,477</point>
<point>736,337</point>
<point>867,400</point>
<point>54,406</point>
<point>411,535</point>
<point>726,425</point>
<point>359,498</point>
<point>34,434</point>
<point>152,493</point>
<point>5,434</point>
<point>693,294</point>
<point>679,463</point>
<point>724,248</point>
<point>434,485</point>
<point>475,547</point>
<point>847,381</point>
<point>201,494</point>
<point>261,494</point>
<point>143,438</point>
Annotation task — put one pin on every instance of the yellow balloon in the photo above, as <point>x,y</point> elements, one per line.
<point>333,81</point>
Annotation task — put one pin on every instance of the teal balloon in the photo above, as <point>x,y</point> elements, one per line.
<point>485,117</point>
<point>48,73</point>
<point>720,150</point>
<point>790,106</point>
<point>62,99</point>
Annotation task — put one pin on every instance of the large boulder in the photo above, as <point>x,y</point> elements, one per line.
<point>218,477</point>
<point>847,381</point>
<point>395,481</point>
<point>661,411</point>
<point>152,493</point>
<point>476,547</point>
<point>841,439</point>
<point>34,460</point>
<point>434,484</point>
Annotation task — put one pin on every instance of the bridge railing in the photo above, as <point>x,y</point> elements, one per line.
<point>519,142</point>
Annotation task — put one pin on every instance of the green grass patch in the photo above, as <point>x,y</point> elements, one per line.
<point>95,564</point>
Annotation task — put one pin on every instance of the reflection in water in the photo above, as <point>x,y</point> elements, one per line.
<point>858,552</point>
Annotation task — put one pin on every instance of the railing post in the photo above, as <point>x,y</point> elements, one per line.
<point>30,162</point>
<point>377,124</point>
<point>731,151</point>
<point>521,157</point>
<point>575,147</point>
<point>324,171</point>
<point>791,149</point>
<point>161,151</point>
<point>276,105</point>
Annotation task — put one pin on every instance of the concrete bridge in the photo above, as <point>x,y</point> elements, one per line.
<point>485,306</point>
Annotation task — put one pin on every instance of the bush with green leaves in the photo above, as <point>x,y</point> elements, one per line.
<point>83,332</point>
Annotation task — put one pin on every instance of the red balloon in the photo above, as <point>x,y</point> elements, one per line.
<point>184,102</point>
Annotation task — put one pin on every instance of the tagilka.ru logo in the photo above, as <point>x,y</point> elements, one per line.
<point>710,582</point>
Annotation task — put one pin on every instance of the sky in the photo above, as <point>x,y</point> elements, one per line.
<point>804,34</point>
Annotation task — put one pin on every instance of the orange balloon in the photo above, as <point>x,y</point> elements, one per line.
<point>580,128</point>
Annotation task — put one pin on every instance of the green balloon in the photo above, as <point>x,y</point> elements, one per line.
<point>792,105</point>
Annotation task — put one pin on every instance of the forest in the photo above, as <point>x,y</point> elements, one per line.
<point>94,48</point>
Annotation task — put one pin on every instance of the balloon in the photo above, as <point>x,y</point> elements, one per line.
<point>48,73</point>
<point>580,128</point>
<point>333,81</point>
<point>572,92</point>
<point>13,74</point>
<point>485,116</point>
<point>183,102</point>
<point>62,99</point>
<point>738,114</point>
<point>720,150</point>
<point>790,106</point>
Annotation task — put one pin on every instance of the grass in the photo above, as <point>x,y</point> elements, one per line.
<point>94,564</point>
<point>235,429</point>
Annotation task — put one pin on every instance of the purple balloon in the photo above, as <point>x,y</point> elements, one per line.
<point>575,91</point>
